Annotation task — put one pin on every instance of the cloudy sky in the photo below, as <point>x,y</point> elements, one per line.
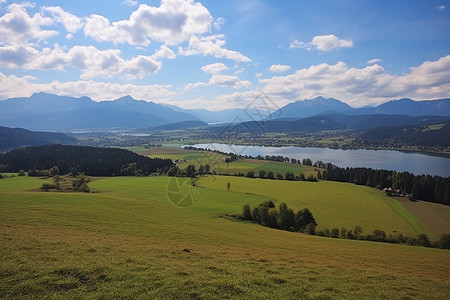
<point>223,54</point>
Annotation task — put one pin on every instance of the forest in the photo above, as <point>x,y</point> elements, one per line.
<point>92,161</point>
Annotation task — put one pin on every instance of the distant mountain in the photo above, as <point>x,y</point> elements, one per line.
<point>180,125</point>
<point>329,122</point>
<point>309,108</point>
<point>410,107</point>
<point>12,138</point>
<point>235,115</point>
<point>322,106</point>
<point>60,113</point>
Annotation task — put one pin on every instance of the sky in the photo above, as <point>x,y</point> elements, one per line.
<point>225,54</point>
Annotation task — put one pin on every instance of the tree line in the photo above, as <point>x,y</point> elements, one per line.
<point>92,161</point>
<point>424,187</point>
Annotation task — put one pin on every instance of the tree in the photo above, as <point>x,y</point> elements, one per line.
<point>285,218</point>
<point>54,171</point>
<point>311,229</point>
<point>173,170</point>
<point>256,216</point>
<point>262,174</point>
<point>57,179</point>
<point>279,176</point>
<point>270,175</point>
<point>357,231</point>
<point>444,241</point>
<point>302,219</point>
<point>423,240</point>
<point>190,171</point>
<point>228,185</point>
<point>334,233</point>
<point>250,174</point>
<point>73,172</point>
<point>201,170</point>
<point>246,214</point>
<point>207,169</point>
<point>21,173</point>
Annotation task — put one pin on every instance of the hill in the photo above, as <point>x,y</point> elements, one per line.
<point>11,138</point>
<point>129,241</point>
<point>180,125</point>
<point>330,122</point>
<point>92,161</point>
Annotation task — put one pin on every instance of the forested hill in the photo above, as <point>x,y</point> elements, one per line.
<point>91,161</point>
<point>11,138</point>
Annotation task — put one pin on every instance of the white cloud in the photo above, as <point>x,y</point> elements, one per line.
<point>92,62</point>
<point>218,23</point>
<point>369,85</point>
<point>279,68</point>
<point>323,43</point>
<point>374,61</point>
<point>214,68</point>
<point>129,3</point>
<point>297,44</point>
<point>191,86</point>
<point>18,28</point>
<point>164,52</point>
<point>173,22</point>
<point>71,22</point>
<point>13,86</point>
<point>228,81</point>
<point>212,45</point>
<point>440,7</point>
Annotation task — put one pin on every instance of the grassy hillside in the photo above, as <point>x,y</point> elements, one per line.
<point>333,204</point>
<point>129,241</point>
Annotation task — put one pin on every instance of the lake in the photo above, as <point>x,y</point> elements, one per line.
<point>414,162</point>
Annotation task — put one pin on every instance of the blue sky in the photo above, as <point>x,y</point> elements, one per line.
<point>224,54</point>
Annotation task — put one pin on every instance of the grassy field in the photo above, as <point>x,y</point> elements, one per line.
<point>217,162</point>
<point>128,241</point>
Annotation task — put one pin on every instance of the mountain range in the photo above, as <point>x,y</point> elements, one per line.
<point>50,112</point>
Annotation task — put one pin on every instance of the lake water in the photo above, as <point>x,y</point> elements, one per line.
<point>414,162</point>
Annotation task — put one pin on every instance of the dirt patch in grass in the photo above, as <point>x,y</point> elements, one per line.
<point>431,214</point>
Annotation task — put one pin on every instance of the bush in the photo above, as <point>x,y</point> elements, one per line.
<point>250,174</point>
<point>21,173</point>
<point>47,186</point>
<point>311,229</point>
<point>444,241</point>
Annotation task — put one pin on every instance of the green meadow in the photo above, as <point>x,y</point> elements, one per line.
<point>218,164</point>
<point>128,240</point>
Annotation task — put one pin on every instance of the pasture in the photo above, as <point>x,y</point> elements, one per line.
<point>130,241</point>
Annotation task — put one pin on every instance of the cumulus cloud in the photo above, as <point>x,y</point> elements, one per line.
<point>71,22</point>
<point>369,85</point>
<point>374,61</point>
<point>214,68</point>
<point>323,43</point>
<point>173,22</point>
<point>18,28</point>
<point>222,80</point>
<point>279,68</point>
<point>13,86</point>
<point>92,62</point>
<point>228,81</point>
<point>211,45</point>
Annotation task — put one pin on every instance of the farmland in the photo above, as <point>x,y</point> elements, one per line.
<point>129,241</point>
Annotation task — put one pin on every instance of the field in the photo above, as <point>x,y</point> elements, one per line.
<point>217,162</point>
<point>130,241</point>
